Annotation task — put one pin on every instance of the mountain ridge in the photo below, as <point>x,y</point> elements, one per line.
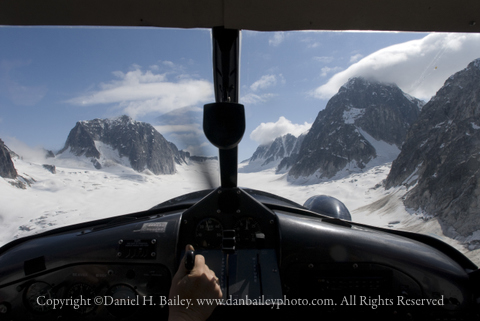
<point>337,142</point>
<point>274,154</point>
<point>7,168</point>
<point>139,142</point>
<point>439,162</point>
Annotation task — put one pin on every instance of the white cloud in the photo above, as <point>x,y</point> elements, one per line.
<point>267,132</point>
<point>190,128</point>
<point>277,39</point>
<point>251,98</point>
<point>311,42</point>
<point>314,45</point>
<point>323,59</point>
<point>168,63</point>
<point>35,154</point>
<point>418,67</point>
<point>140,93</point>
<point>328,70</point>
<point>264,82</point>
<point>355,58</point>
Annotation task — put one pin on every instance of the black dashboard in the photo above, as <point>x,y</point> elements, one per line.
<point>269,254</point>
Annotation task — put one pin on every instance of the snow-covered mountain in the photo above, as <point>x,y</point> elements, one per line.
<point>70,190</point>
<point>9,172</point>
<point>362,126</point>
<point>274,154</point>
<point>365,122</point>
<point>440,160</point>
<point>123,140</point>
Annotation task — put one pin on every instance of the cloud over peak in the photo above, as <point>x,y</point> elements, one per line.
<point>418,67</point>
<point>267,132</point>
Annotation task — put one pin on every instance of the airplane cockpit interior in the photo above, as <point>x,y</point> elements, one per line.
<point>272,256</point>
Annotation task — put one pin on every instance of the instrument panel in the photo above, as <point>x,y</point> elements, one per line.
<point>247,232</point>
<point>237,222</point>
<point>209,233</point>
<point>104,291</point>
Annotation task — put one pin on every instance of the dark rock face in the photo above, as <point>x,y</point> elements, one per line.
<point>49,154</point>
<point>81,139</point>
<point>287,162</point>
<point>281,147</point>
<point>51,168</point>
<point>441,155</point>
<point>7,169</point>
<point>361,112</point>
<point>180,156</point>
<point>278,152</point>
<point>139,142</point>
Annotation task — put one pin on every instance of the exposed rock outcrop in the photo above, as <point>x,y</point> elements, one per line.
<point>440,159</point>
<point>140,142</point>
<point>7,168</point>
<point>365,120</point>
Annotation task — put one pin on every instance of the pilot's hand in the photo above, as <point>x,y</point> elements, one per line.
<point>200,283</point>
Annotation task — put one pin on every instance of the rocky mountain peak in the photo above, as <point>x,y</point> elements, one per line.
<point>365,120</point>
<point>375,107</point>
<point>281,147</point>
<point>140,142</point>
<point>360,84</point>
<point>7,169</point>
<point>439,161</point>
<point>275,153</point>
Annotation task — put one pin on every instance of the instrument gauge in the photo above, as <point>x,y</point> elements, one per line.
<point>124,300</point>
<point>38,296</point>
<point>247,231</point>
<point>208,233</point>
<point>84,295</point>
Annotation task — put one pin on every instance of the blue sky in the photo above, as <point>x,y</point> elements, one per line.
<point>52,77</point>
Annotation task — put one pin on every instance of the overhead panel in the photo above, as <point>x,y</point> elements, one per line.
<point>260,15</point>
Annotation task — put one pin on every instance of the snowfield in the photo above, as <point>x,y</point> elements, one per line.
<point>77,192</point>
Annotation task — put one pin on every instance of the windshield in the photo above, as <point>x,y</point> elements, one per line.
<point>80,109</point>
